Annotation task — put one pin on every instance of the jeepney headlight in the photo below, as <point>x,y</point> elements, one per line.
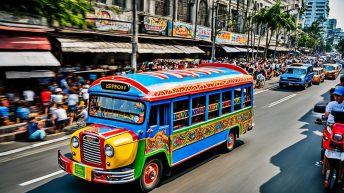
<point>109,151</point>
<point>75,142</point>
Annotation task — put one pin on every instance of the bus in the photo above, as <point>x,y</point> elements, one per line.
<point>141,125</point>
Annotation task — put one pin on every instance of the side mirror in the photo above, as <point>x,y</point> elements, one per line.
<point>320,107</point>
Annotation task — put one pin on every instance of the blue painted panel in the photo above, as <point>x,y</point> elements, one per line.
<point>194,148</point>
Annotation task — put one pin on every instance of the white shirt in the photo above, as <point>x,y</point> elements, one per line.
<point>58,98</point>
<point>84,93</point>
<point>333,106</point>
<point>73,99</point>
<point>28,95</point>
<point>60,114</point>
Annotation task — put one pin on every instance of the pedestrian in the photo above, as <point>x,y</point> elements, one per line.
<point>4,115</point>
<point>22,111</point>
<point>57,97</point>
<point>84,94</point>
<point>73,100</point>
<point>46,100</point>
<point>29,96</point>
<point>35,128</point>
<point>60,118</point>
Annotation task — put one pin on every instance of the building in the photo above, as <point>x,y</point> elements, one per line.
<point>331,25</point>
<point>316,10</point>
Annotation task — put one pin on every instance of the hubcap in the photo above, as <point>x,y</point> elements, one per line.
<point>230,140</point>
<point>150,174</point>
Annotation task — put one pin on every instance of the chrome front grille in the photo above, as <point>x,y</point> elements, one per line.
<point>91,149</point>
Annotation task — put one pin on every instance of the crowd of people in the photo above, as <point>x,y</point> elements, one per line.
<point>64,99</point>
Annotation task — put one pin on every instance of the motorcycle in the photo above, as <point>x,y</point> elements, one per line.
<point>332,153</point>
<point>260,81</point>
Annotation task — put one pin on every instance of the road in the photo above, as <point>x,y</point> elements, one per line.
<point>279,155</point>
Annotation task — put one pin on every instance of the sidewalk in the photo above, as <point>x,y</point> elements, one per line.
<point>53,138</point>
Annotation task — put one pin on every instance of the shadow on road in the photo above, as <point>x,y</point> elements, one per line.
<point>71,184</point>
<point>303,173</point>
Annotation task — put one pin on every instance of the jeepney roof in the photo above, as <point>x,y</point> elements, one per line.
<point>160,85</point>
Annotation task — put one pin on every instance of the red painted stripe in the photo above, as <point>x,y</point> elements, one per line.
<point>113,132</point>
<point>186,73</point>
<point>222,65</point>
<point>130,81</point>
<point>213,70</point>
<point>162,76</point>
<point>164,97</point>
<point>170,73</point>
<point>200,70</point>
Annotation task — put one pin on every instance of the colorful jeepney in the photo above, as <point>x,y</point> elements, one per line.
<point>140,125</point>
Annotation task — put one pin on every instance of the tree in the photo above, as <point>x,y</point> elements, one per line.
<point>70,13</point>
<point>340,46</point>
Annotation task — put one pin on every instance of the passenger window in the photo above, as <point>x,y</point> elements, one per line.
<point>180,114</point>
<point>213,108</point>
<point>226,102</point>
<point>153,116</point>
<point>164,114</point>
<point>198,109</point>
<point>247,96</point>
<point>237,99</point>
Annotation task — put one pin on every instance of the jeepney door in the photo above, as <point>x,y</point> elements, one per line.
<point>158,123</point>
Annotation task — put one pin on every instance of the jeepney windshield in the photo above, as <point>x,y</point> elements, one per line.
<point>118,109</point>
<point>329,68</point>
<point>316,72</point>
<point>298,71</point>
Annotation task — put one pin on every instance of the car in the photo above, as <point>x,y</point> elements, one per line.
<point>331,71</point>
<point>319,75</point>
<point>300,75</point>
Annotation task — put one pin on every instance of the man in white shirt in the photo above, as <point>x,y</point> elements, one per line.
<point>336,105</point>
<point>60,118</point>
<point>58,97</point>
<point>29,96</point>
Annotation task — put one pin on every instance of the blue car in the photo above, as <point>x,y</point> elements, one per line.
<point>299,75</point>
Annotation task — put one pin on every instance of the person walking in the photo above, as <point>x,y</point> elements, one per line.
<point>46,100</point>
<point>29,96</point>
<point>35,128</point>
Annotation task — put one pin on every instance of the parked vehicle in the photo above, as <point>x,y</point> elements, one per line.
<point>300,75</point>
<point>319,76</point>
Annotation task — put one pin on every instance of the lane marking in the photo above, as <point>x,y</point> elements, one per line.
<point>261,91</point>
<point>32,146</point>
<point>24,154</point>
<point>41,178</point>
<point>281,100</point>
<point>318,133</point>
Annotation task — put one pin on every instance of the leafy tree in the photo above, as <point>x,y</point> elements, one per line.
<point>63,12</point>
<point>340,46</point>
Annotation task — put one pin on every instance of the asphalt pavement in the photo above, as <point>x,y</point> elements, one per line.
<point>280,155</point>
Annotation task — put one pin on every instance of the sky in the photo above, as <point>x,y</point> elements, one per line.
<point>337,12</point>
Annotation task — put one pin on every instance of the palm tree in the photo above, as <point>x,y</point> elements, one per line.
<point>286,22</point>
<point>261,21</point>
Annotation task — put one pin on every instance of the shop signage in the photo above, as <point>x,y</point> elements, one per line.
<point>181,29</point>
<point>203,33</point>
<point>104,22</point>
<point>231,38</point>
<point>154,25</point>
<point>115,86</point>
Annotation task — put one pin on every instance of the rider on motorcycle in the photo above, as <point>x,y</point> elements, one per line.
<point>336,105</point>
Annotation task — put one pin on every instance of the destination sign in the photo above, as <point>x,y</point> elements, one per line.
<point>115,86</point>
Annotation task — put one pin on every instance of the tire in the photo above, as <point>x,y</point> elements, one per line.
<point>280,85</point>
<point>230,142</point>
<point>305,86</point>
<point>151,174</point>
<point>262,84</point>
<point>310,84</point>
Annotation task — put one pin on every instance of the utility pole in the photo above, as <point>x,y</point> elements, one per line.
<point>196,20</point>
<point>213,32</point>
<point>134,38</point>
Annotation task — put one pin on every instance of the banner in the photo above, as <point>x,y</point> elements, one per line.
<point>104,22</point>
<point>181,29</point>
<point>154,25</point>
<point>231,38</point>
<point>203,33</point>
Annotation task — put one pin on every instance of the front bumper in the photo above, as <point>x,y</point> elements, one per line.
<point>116,176</point>
<point>288,83</point>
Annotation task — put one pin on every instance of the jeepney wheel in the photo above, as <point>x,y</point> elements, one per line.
<point>151,174</point>
<point>230,142</point>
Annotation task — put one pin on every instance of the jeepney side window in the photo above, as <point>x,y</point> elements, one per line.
<point>180,114</point>
<point>237,99</point>
<point>247,96</point>
<point>226,102</point>
<point>214,106</point>
<point>153,116</point>
<point>198,109</point>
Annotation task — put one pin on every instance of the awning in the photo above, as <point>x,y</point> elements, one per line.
<point>255,51</point>
<point>279,48</point>
<point>10,59</point>
<point>230,49</point>
<point>241,49</point>
<point>24,42</point>
<point>30,74</point>
<point>78,45</point>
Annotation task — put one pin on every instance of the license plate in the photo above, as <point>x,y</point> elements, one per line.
<point>290,84</point>
<point>80,170</point>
